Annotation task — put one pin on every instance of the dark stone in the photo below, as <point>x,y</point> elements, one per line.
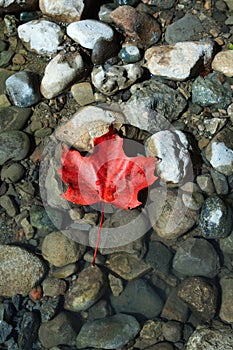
<point>5,331</point>
<point>13,118</point>
<point>103,50</point>
<point>14,145</point>
<point>159,257</point>
<point>29,329</point>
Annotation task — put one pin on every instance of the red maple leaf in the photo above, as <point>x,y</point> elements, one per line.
<point>106,175</point>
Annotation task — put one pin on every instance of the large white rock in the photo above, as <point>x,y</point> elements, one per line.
<point>60,73</point>
<point>88,31</point>
<point>41,36</point>
<point>177,61</point>
<point>172,148</point>
<point>223,62</point>
<point>66,11</point>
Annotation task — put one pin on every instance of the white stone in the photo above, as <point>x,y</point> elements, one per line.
<point>66,11</point>
<point>41,36</point>
<point>172,149</point>
<point>223,63</point>
<point>88,31</point>
<point>176,61</point>
<point>221,156</point>
<point>60,73</point>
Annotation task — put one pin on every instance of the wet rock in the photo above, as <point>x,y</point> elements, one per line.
<point>5,330</point>
<point>83,93</point>
<point>62,11</point>
<point>53,287</point>
<point>130,54</point>
<point>13,118</point>
<point>114,78</point>
<point>178,61</point>
<point>196,257</point>
<point>219,152</point>
<point>20,270</point>
<point>187,28</point>
<point>80,296</point>
<point>139,298</point>
<point>193,200</point>
<point>15,6</point>
<point>217,336</point>
<point>127,266</point>
<point>14,145</point>
<point>152,104</point>
<point>87,32</point>
<point>150,333</point>
<point>109,333</point>
<point>174,308</point>
<point>60,73</point>
<point>29,329</point>
<point>60,330</point>
<point>41,36</point>
<point>200,295</point>
<point>222,63</point>
<point>209,91</point>
<point>9,205</point>
<point>23,89</point>
<point>215,220</point>
<point>140,28</point>
<point>59,250</point>
<point>12,173</point>
<point>172,149</point>
<point>103,50</point>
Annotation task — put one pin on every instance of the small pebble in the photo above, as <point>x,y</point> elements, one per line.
<point>130,54</point>
<point>83,93</point>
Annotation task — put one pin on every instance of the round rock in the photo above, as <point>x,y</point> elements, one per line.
<point>62,11</point>
<point>14,145</point>
<point>222,62</point>
<point>215,220</point>
<point>12,173</point>
<point>20,270</point>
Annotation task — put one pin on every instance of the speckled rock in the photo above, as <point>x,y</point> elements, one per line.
<point>178,61</point>
<point>215,220</point>
<point>20,270</point>
<point>62,11</point>
<point>14,145</point>
<point>41,36</point>
<point>60,250</point>
<point>222,62</point>
<point>196,257</point>
<point>13,118</point>
<point>219,152</point>
<point>200,295</point>
<point>60,73</point>
<point>109,333</point>
<point>53,287</point>
<point>80,296</point>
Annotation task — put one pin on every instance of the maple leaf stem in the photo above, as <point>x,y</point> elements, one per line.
<point>98,235</point>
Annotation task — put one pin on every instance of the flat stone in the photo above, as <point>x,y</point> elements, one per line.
<point>205,183</point>
<point>60,73</point>
<point>88,31</point>
<point>53,287</point>
<point>83,93</point>
<point>109,333</point>
<point>62,11</point>
<point>64,271</point>
<point>13,118</point>
<point>220,182</point>
<point>14,145</point>
<point>159,257</point>
<point>12,172</point>
<point>41,36</point>
<point>178,61</point>
<point>222,62</point>
<point>20,270</point>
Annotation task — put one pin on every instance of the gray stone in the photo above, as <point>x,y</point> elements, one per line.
<point>23,89</point>
<point>159,257</point>
<point>222,62</point>
<point>12,173</point>
<point>226,244</point>
<point>220,182</point>
<point>39,218</point>
<point>161,4</point>
<point>109,333</point>
<point>196,257</point>
<point>9,205</point>
<point>99,310</point>
<point>205,183</point>
<point>5,58</point>
<point>62,11</point>
<point>13,118</point>
<point>174,308</point>
<point>187,28</point>
<point>229,4</point>
<point>5,331</point>
<point>53,287</point>
<point>115,284</point>
<point>139,298</point>
<point>14,145</point>
<point>64,271</point>
<point>49,307</point>
<point>80,296</point>
<point>226,308</point>
<point>20,270</point>
<point>29,330</point>
<point>172,331</point>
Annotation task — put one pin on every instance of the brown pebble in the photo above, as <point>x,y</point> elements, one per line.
<point>18,59</point>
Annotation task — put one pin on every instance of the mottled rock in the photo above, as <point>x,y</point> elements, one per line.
<point>14,145</point>
<point>60,73</point>
<point>23,89</point>
<point>63,271</point>
<point>59,250</point>
<point>13,118</point>
<point>215,220</point>
<point>20,270</point>
<point>140,28</point>
<point>186,28</point>
<point>178,61</point>
<point>41,36</point>
<point>196,257</point>
<point>62,11</point>
<point>53,287</point>
<point>109,333</point>
<point>200,295</point>
<point>222,63</point>
<point>88,31</point>
<point>139,298</point>
<point>39,217</point>
<point>130,54</point>
<point>226,308</point>
<point>80,296</point>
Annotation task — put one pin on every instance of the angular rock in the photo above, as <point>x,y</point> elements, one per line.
<point>115,78</point>
<point>5,330</point>
<point>53,287</point>
<point>60,250</point>
<point>14,145</point>
<point>196,257</point>
<point>80,296</point>
<point>60,73</point>
<point>109,333</point>
<point>174,308</point>
<point>62,11</point>
<point>222,63</point>
<point>28,330</point>
<point>20,270</point>
<point>87,32</point>
<point>23,88</point>
<point>41,36</point>
<point>178,61</point>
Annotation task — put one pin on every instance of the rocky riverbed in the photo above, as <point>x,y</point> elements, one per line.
<point>160,73</point>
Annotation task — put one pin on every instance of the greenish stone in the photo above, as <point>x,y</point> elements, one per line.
<point>14,145</point>
<point>5,58</point>
<point>130,54</point>
<point>41,220</point>
<point>13,118</point>
<point>27,16</point>
<point>4,74</point>
<point>43,132</point>
<point>12,173</point>
<point>3,45</point>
